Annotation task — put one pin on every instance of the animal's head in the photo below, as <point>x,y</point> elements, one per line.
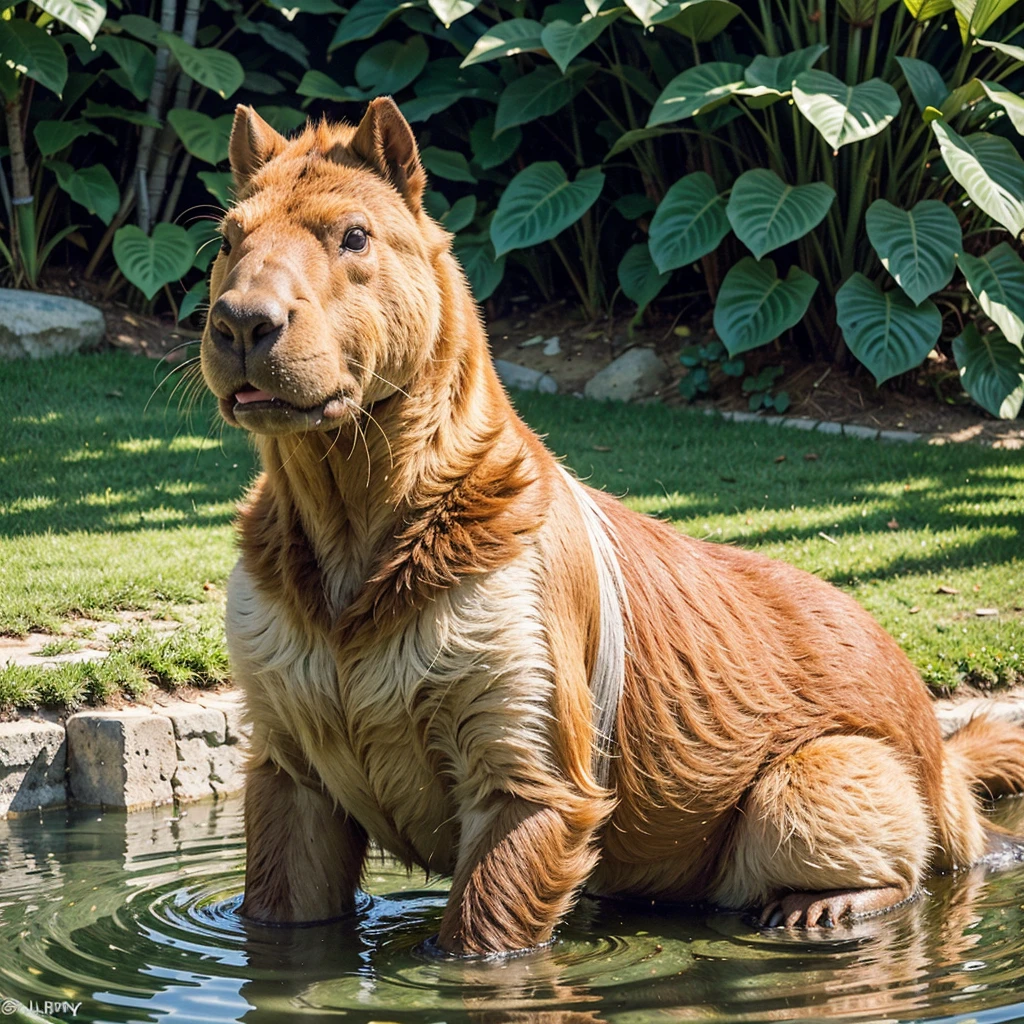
<point>325,295</point>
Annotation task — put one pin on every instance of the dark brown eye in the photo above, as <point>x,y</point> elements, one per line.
<point>225,246</point>
<point>355,240</point>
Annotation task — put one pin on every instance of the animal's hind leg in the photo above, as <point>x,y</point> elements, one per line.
<point>836,829</point>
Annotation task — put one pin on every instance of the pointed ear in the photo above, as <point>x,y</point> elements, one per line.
<point>385,140</point>
<point>253,143</point>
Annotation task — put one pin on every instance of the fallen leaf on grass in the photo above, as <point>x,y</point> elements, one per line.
<point>947,590</point>
<point>914,610</point>
<point>893,524</point>
<point>825,536</point>
<point>986,611</point>
<point>811,457</point>
<point>780,458</point>
<point>601,447</point>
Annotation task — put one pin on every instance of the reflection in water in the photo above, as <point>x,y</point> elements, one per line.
<point>136,918</point>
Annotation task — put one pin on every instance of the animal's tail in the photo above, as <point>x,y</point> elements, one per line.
<point>984,759</point>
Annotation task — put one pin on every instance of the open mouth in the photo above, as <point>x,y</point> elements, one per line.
<point>252,406</point>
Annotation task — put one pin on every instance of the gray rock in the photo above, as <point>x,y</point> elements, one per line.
<point>904,436</point>
<point>190,721</point>
<point>36,326</point>
<point>855,430</point>
<point>636,373</point>
<point>33,756</point>
<point>124,759</point>
<point>828,427</point>
<point>799,423</point>
<point>522,378</point>
<point>553,346</point>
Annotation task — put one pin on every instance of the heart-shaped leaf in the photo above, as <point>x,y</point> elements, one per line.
<point>696,89</point>
<point>150,262</point>
<point>767,213</point>
<point>318,86</point>
<point>389,67</point>
<point>135,60</point>
<point>194,297</point>
<point>1009,101</point>
<point>282,119</point>
<point>490,150</point>
<point>91,187</point>
<point>365,19</point>
<point>540,202</point>
<point>639,277</point>
<point>844,113</point>
<point>917,246</point>
<point>538,94</point>
<point>459,215</point>
<point>482,267</point>
<point>974,16</point>
<point>447,163</point>
<point>774,76</point>
<point>564,41</point>
<point>690,222</point>
<point>755,305</point>
<point>629,139</point>
<point>925,82</point>
<point>996,280</point>
<point>887,332</point>
<point>991,371</point>
<point>84,16</point>
<point>699,20</point>
<point>32,50</point>
<point>517,35</point>
<point>451,10</point>
<point>53,136</point>
<point>215,69</point>
<point>284,42</point>
<point>142,28</point>
<point>220,185</point>
<point>444,82</point>
<point>204,137</point>
<point>989,170</point>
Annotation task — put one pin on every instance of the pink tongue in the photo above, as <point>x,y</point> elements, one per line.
<point>242,397</point>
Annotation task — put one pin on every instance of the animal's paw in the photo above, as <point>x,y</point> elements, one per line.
<point>827,909</point>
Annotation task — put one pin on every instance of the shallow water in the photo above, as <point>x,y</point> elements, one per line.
<point>134,918</point>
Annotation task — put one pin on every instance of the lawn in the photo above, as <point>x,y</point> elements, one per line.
<point>112,499</point>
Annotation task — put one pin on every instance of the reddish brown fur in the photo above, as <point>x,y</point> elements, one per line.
<point>415,616</point>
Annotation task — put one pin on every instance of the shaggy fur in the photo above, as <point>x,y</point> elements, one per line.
<point>416,615</point>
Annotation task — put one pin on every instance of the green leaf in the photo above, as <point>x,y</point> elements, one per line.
<point>489,151</point>
<point>774,76</point>
<point>996,280</point>
<point>699,20</point>
<point>91,187</point>
<point>696,89</point>
<point>887,332</point>
<point>1009,101</point>
<point>204,137</point>
<point>635,135</point>
<point>444,82</point>
<point>451,10</point>
<point>843,113</point>
<point>53,136</point>
<point>142,28</point>
<point>460,214</point>
<point>755,306</point>
<point>540,202</point>
<point>690,221</point>
<point>215,69</point>
<point>639,277</point>
<point>103,110</point>
<point>318,86</point>
<point>864,12</point>
<point>517,35</point>
<point>482,267</point>
<point>925,82</point>
<point>257,81</point>
<point>136,60</point>
<point>284,42</point>
<point>634,206</point>
<point>206,241</point>
<point>917,246</point>
<point>766,213</point>
<point>991,371</point>
<point>34,53</point>
<point>447,163</point>
<point>564,41</point>
<point>925,10</point>
<point>282,119</point>
<point>84,16</point>
<point>974,16</point>
<point>538,94</point>
<point>1014,52</point>
<point>435,204</point>
<point>290,8</point>
<point>989,170</point>
<point>150,262</point>
<point>365,19</point>
<point>961,98</point>
<point>220,185</point>
<point>389,67</point>
<point>194,297</point>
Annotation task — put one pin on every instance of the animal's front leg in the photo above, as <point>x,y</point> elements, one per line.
<point>303,856</point>
<point>516,878</point>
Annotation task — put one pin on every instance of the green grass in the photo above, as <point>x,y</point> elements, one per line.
<point>107,506</point>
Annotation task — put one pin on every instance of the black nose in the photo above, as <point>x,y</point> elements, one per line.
<point>243,322</point>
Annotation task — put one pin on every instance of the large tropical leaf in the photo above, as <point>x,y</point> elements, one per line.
<point>389,67</point>
<point>84,16</point>
<point>696,89</point>
<point>1007,49</point>
<point>767,213</point>
<point>689,223</point>
<point>517,35</point>
<point>91,187</point>
<point>974,16</point>
<point>996,280</point>
<point>844,113</point>
<point>444,82</point>
<point>1010,101</point>
<point>194,297</point>
<point>220,185</point>
<point>639,277</point>
<point>540,202</point>
<point>482,267</point>
<point>629,139</point>
<point>774,76</point>
<point>700,20</point>
<point>282,119</point>
<point>451,10</point>
<point>142,28</point>
<point>538,94</point>
<point>213,68</point>
<point>447,163</point>
<point>755,305</point>
<point>150,262</point>
<point>563,40</point>
<point>105,110</point>
<point>459,215</point>
<point>489,149</point>
<point>925,82</point>
<point>863,12</point>
<point>917,246</point>
<point>32,51</point>
<point>53,136</point>
<point>318,86</point>
<point>135,61</point>
<point>365,18</point>
<point>989,170</point>
<point>284,42</point>
<point>887,332</point>
<point>991,371</point>
<point>204,137</point>
<point>206,240</point>
<point>925,10</point>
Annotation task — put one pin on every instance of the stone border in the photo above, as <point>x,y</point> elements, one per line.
<point>126,759</point>
<point>821,426</point>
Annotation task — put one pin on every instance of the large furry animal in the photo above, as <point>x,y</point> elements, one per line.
<point>452,649</point>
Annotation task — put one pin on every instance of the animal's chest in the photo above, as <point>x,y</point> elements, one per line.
<point>408,729</point>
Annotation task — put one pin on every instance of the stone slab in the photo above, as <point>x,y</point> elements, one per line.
<point>899,436</point>
<point>855,430</point>
<point>636,373</point>
<point>33,758</point>
<point>522,378</point>
<point>35,326</point>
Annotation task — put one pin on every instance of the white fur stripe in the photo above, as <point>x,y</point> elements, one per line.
<point>608,677</point>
